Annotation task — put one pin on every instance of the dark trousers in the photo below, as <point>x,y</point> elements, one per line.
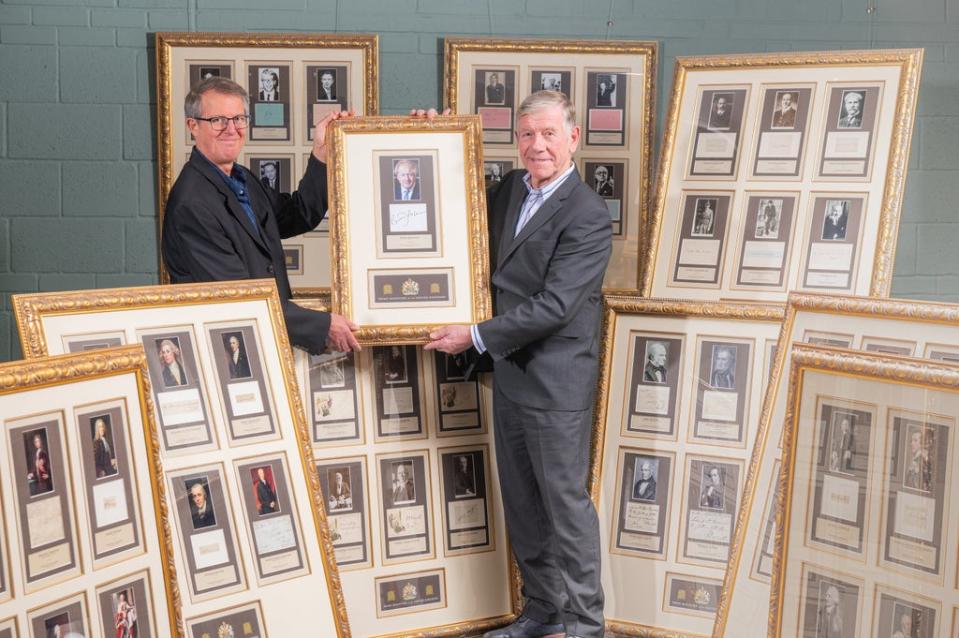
<point>543,461</point>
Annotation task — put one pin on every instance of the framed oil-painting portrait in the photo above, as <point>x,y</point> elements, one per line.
<point>82,499</point>
<point>611,85</point>
<point>293,80</point>
<point>898,328</point>
<point>411,251</point>
<point>238,536</point>
<point>782,171</point>
<point>867,465</point>
<point>678,407</point>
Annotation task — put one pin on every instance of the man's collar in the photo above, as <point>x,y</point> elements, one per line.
<point>234,173</point>
<point>547,190</point>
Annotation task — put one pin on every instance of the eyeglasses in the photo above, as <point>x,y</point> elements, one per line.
<point>221,122</point>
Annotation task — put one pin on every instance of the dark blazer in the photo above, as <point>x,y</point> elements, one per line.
<point>170,381</point>
<point>645,492</point>
<point>398,191</point>
<point>239,369</point>
<point>266,498</point>
<point>546,287</point>
<point>207,236</point>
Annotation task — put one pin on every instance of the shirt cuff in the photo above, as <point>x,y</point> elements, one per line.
<point>477,339</point>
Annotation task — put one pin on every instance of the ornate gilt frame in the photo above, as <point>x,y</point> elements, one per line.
<point>928,322</point>
<point>579,54</point>
<point>32,311</point>
<point>858,366</point>
<point>892,178</point>
<point>50,372</point>
<point>170,43</point>
<point>758,320</point>
<point>389,330</point>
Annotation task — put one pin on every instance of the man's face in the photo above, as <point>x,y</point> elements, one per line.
<point>37,441</point>
<point>720,104</point>
<point>493,79</point>
<point>832,598</point>
<point>167,354</point>
<point>261,474</point>
<point>787,101</point>
<point>853,104</point>
<point>714,475</point>
<point>464,464</point>
<point>234,344</point>
<point>494,170</point>
<point>905,624</point>
<point>722,360</point>
<point>199,496</point>
<point>220,147</point>
<point>101,428</point>
<point>602,85</point>
<point>545,146</point>
<point>915,442</point>
<point>646,471</point>
<point>268,81</point>
<point>844,426</point>
<point>406,176</point>
<point>601,174</point>
<point>835,213</point>
<point>338,479</point>
<point>401,474</point>
<point>269,171</point>
<point>326,80</point>
<point>657,355</point>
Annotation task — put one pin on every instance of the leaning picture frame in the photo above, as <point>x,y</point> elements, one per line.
<point>224,386</point>
<point>676,413</point>
<point>311,74</point>
<point>83,502</point>
<point>611,84</point>
<point>410,253</point>
<point>928,329</point>
<point>866,491</point>
<point>782,171</point>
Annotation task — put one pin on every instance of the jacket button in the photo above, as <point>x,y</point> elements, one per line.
<point>269,269</point>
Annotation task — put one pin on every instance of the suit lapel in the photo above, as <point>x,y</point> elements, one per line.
<point>232,204</point>
<point>513,206</point>
<point>545,212</point>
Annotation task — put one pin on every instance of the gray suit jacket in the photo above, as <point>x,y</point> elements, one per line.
<point>546,286</point>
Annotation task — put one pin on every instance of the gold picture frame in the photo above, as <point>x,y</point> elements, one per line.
<point>126,496</point>
<point>617,127</point>
<point>399,264</point>
<point>47,322</point>
<point>679,396</point>
<point>301,60</point>
<point>776,221</point>
<point>823,320</point>
<point>902,434</point>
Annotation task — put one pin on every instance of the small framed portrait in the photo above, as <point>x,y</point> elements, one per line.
<point>340,496</point>
<point>835,220</point>
<point>394,365</point>
<point>200,71</point>
<point>406,179</point>
<point>851,109</point>
<point>402,482</point>
<point>104,448</point>
<point>606,90</point>
<point>332,373</point>
<point>494,170</point>
<point>656,356</point>
<point>841,451</point>
<point>831,605</point>
<point>237,359</point>
<point>553,79</point>
<point>40,475</point>
<point>124,604</point>
<point>919,467</point>
<point>645,476</point>
<point>720,111</point>
<point>172,371</point>
<point>274,171</point>
<point>784,112</point>
<point>197,492</point>
<point>493,87</point>
<point>263,488</point>
<point>712,487</point>
<point>326,85</point>
<point>768,218</point>
<point>722,372</point>
<point>603,181</point>
<point>705,218</point>
<point>125,607</point>
<point>464,476</point>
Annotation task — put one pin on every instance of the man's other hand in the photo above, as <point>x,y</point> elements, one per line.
<point>450,339</point>
<point>320,130</point>
<point>340,337</point>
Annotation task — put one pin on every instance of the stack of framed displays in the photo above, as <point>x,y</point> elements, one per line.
<point>293,80</point>
<point>85,542</point>
<point>921,329</point>
<point>404,454</point>
<point>249,530</point>
<point>782,171</point>
<point>865,547</point>
<point>680,392</point>
<point>611,86</point>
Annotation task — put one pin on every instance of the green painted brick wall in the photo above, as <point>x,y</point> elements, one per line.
<point>77,176</point>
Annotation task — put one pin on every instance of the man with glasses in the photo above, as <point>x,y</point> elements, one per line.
<point>222,224</point>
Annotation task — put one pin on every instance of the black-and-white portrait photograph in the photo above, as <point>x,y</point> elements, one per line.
<point>603,180</point>
<point>207,72</point>
<point>835,220</point>
<point>171,361</point>
<point>464,476</point>
<point>919,469</point>
<point>197,491</point>
<point>104,452</point>
<point>394,365</point>
<point>332,373</point>
<point>851,108</point>
<point>326,85</point>
<point>829,614</point>
<point>656,355</point>
<point>494,88</point>
<point>704,222</point>
<point>493,172</point>
<point>406,180</point>
<point>768,218</point>
<point>550,81</point>
<point>39,473</point>
<point>645,475</point>
<point>720,111</point>
<point>906,622</point>
<point>454,367</point>
<point>784,113</point>
<point>401,478</point>
<point>270,174</point>
<point>606,89</point>
<point>712,488</point>
<point>269,84</point>
<point>722,371</point>
<point>340,498</point>
<point>235,348</point>
<point>841,442</point>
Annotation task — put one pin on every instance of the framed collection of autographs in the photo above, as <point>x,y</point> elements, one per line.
<point>294,80</point>
<point>85,544</point>
<point>611,85</point>
<point>780,172</point>
<point>405,461</point>
<point>410,252</point>
<point>867,486</point>
<point>249,532</point>
<point>922,329</point>
<point>677,412</point>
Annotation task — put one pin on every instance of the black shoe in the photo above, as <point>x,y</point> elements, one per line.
<point>526,627</point>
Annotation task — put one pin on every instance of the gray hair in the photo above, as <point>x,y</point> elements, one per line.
<point>544,99</point>
<point>191,105</point>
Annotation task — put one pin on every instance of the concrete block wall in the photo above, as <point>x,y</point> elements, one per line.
<point>77,149</point>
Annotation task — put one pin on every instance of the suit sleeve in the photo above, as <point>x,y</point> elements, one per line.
<point>304,209</point>
<point>575,271</point>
